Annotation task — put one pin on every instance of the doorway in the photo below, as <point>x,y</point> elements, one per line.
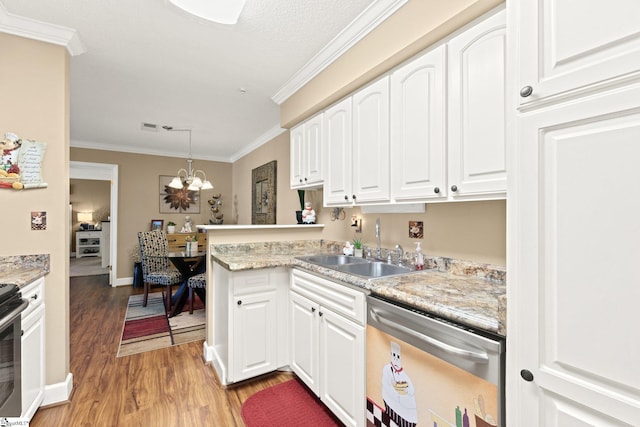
<point>103,172</point>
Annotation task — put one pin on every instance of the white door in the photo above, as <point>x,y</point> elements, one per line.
<point>254,337</point>
<point>297,160</point>
<point>313,150</point>
<point>303,345</point>
<point>566,46</point>
<point>337,138</point>
<point>418,141</point>
<point>477,110</point>
<point>342,355</point>
<point>575,266</point>
<point>371,180</point>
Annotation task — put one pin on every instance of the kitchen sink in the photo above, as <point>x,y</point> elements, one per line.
<point>369,269</point>
<point>333,260</point>
<point>374,269</point>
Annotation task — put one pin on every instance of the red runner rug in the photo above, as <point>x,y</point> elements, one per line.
<point>289,404</point>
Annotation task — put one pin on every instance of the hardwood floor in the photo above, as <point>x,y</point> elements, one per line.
<point>168,387</point>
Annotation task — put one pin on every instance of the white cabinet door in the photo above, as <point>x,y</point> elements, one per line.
<point>567,47</point>
<point>477,111</point>
<point>313,151</point>
<point>254,339</point>
<point>306,153</point>
<point>342,356</point>
<point>297,156</point>
<point>33,362</point>
<point>304,341</point>
<point>371,180</point>
<point>338,144</point>
<point>418,156</point>
<point>577,241</point>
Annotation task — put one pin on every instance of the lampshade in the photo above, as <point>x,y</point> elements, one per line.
<point>85,217</point>
<point>189,175</point>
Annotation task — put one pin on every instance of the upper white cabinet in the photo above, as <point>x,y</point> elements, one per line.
<point>477,162</point>
<point>371,143</point>
<point>306,154</point>
<point>357,144</point>
<point>418,150</point>
<point>566,48</point>
<point>337,141</point>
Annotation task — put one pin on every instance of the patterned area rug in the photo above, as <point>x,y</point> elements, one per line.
<point>289,404</point>
<point>148,328</point>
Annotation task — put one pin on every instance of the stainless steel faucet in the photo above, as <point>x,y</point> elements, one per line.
<point>400,252</point>
<point>378,249</point>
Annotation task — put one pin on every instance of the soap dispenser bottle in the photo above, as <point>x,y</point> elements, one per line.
<point>419,257</point>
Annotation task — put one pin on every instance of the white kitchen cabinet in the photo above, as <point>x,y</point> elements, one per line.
<point>250,330</point>
<point>573,217</point>
<point>477,162</point>
<point>88,243</point>
<point>33,350</point>
<point>418,144</point>
<point>306,154</point>
<point>357,144</point>
<point>337,141</point>
<point>566,49</point>
<point>327,343</point>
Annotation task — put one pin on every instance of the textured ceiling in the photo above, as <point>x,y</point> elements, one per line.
<point>147,61</point>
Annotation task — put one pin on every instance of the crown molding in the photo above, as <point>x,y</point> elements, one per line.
<point>364,23</point>
<point>261,140</point>
<point>37,30</point>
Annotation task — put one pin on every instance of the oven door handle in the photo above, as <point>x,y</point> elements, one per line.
<point>11,316</point>
<point>477,357</point>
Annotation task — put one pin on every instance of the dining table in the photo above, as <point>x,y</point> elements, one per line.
<point>188,263</point>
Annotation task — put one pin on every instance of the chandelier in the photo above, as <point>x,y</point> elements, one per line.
<point>189,175</point>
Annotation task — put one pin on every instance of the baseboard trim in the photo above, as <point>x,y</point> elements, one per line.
<point>58,393</point>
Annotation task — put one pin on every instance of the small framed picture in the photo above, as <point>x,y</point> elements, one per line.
<point>157,224</point>
<point>416,230</point>
<point>38,220</point>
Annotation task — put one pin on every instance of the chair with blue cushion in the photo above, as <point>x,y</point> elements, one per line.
<point>199,284</point>
<point>157,269</point>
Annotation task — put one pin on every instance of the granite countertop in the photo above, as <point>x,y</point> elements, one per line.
<point>469,293</point>
<point>23,269</point>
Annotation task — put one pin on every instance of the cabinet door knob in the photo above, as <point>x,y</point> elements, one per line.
<point>354,196</point>
<point>320,313</point>
<point>346,197</point>
<point>239,302</point>
<point>526,375</point>
<point>313,309</point>
<point>526,91</point>
<point>454,188</point>
<point>300,180</point>
<point>436,190</point>
<point>305,180</point>
<point>34,297</point>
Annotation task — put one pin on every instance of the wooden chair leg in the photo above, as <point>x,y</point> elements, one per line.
<point>146,294</point>
<point>191,298</point>
<point>168,303</point>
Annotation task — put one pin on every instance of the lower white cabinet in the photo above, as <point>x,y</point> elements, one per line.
<point>327,343</point>
<point>33,351</point>
<point>250,329</point>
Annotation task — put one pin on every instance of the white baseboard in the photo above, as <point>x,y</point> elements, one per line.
<point>60,392</point>
<point>207,352</point>
<point>124,281</point>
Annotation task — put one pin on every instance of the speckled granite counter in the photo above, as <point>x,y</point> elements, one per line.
<point>465,292</point>
<point>23,269</point>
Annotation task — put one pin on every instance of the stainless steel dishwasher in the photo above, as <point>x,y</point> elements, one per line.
<point>425,371</point>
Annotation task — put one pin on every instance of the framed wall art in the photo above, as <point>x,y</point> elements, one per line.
<point>157,224</point>
<point>178,201</point>
<point>263,194</point>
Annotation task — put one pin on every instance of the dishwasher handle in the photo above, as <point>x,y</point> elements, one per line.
<point>478,357</point>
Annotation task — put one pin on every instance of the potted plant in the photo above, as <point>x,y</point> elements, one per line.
<point>191,243</point>
<point>357,247</point>
<point>299,213</point>
<point>171,227</point>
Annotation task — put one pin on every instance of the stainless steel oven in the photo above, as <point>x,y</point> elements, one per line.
<point>425,371</point>
<point>11,306</point>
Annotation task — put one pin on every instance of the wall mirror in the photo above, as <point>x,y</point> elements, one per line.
<point>263,194</point>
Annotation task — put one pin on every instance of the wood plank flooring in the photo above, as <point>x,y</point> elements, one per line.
<point>168,387</point>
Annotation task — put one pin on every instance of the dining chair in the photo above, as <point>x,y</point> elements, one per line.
<point>156,266</point>
<point>199,281</point>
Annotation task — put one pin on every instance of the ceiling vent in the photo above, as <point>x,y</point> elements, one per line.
<point>150,127</point>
